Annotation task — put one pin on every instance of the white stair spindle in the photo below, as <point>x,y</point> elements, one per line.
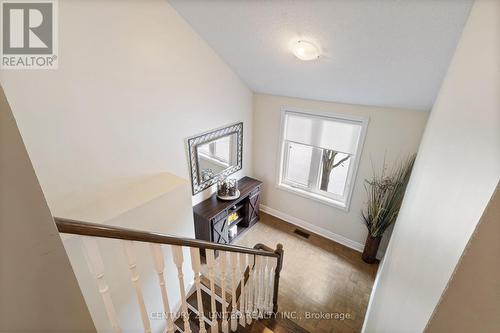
<point>260,285</point>
<point>250,286</point>
<point>134,276</point>
<point>263,285</point>
<point>271,285</point>
<point>233,256</point>
<point>256,287</point>
<point>266,279</point>
<point>222,258</point>
<point>159,264</point>
<point>178,260</point>
<point>196,264</point>
<point>243,265</point>
<point>96,267</point>
<point>211,276</point>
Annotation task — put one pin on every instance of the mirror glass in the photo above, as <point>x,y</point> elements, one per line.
<point>215,154</point>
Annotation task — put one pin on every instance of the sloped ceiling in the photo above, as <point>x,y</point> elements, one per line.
<point>379,52</point>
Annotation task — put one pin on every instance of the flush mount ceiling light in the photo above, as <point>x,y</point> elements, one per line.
<point>305,50</point>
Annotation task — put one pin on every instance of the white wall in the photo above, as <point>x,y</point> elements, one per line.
<point>391,132</point>
<point>39,292</point>
<point>134,80</point>
<point>454,177</point>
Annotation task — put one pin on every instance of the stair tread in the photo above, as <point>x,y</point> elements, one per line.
<point>218,290</point>
<point>193,322</point>
<point>270,325</point>
<point>282,325</point>
<point>255,327</point>
<point>206,302</point>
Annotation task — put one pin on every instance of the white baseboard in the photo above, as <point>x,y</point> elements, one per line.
<point>313,228</point>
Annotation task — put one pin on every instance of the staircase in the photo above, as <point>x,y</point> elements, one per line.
<point>248,324</point>
<point>236,292</point>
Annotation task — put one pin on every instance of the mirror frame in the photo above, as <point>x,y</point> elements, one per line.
<point>192,145</point>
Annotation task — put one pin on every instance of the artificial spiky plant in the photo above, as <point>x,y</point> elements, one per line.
<point>385,194</point>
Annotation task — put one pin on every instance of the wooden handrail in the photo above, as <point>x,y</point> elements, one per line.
<point>69,226</point>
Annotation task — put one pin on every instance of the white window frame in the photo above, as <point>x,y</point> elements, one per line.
<point>328,199</point>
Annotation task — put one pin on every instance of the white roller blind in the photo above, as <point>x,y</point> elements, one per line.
<point>327,133</point>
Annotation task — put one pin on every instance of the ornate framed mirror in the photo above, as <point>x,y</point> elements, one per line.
<point>214,154</point>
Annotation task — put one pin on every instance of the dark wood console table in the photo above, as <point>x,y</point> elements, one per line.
<point>211,215</point>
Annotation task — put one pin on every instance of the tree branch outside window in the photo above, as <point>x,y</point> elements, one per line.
<point>328,166</point>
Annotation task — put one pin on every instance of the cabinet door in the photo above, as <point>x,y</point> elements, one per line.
<point>253,207</point>
<point>220,231</point>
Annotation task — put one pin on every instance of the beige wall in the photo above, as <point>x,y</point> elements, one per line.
<point>471,302</point>
<point>455,174</point>
<point>39,292</point>
<point>391,133</point>
<point>131,86</point>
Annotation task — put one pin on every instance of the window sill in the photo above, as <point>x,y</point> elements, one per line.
<point>313,196</point>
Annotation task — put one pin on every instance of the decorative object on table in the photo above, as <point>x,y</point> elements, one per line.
<point>214,154</point>
<point>227,189</point>
<point>385,195</point>
<point>232,217</point>
<point>222,187</point>
<point>232,187</point>
<point>233,231</point>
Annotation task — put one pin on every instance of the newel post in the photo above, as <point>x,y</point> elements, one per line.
<point>279,251</point>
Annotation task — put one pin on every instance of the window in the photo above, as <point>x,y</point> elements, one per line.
<point>320,154</point>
